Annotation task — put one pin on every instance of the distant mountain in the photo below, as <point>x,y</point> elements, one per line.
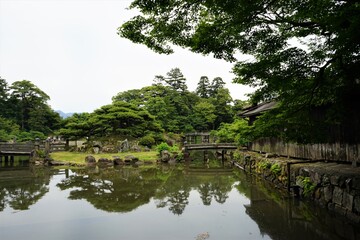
<point>64,115</point>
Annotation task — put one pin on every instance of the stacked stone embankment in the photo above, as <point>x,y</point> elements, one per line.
<point>335,186</point>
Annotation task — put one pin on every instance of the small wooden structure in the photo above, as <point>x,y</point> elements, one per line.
<point>198,137</point>
<point>210,146</point>
<point>253,112</point>
<point>202,141</point>
<point>9,150</point>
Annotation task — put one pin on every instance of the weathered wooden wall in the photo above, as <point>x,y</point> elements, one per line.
<point>57,147</point>
<point>27,148</point>
<point>16,147</point>
<point>330,151</point>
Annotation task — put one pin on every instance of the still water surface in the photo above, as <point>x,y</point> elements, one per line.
<point>155,202</point>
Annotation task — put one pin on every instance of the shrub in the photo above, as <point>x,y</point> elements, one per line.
<point>30,136</point>
<point>238,132</point>
<point>264,165</point>
<point>40,153</point>
<point>164,146</point>
<point>147,141</point>
<point>307,185</point>
<point>275,169</point>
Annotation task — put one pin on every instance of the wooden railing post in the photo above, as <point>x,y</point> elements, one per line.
<point>47,148</point>
<point>36,148</point>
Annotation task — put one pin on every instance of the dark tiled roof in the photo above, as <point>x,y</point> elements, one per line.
<point>256,110</point>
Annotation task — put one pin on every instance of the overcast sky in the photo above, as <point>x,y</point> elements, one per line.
<point>70,50</point>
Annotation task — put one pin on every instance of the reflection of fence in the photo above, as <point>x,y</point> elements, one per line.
<point>326,151</point>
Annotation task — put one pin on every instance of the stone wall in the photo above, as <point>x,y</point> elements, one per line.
<point>332,185</point>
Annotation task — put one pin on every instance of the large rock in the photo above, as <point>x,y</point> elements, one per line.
<point>348,201</point>
<point>90,159</point>
<point>56,163</point>
<point>109,149</point>
<point>135,148</point>
<point>124,146</point>
<point>357,204</point>
<point>96,149</point>
<point>118,160</point>
<point>337,196</point>
<point>165,156</point>
<point>130,159</point>
<point>328,193</point>
<point>105,161</point>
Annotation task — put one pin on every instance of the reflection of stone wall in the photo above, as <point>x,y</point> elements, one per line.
<point>335,186</point>
<point>282,217</point>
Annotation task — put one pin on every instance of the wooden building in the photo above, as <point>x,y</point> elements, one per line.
<point>251,113</point>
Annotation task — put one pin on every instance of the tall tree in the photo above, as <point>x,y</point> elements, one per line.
<point>169,106</point>
<point>305,54</point>
<point>43,119</point>
<point>223,110</point>
<point>174,78</point>
<point>3,96</point>
<point>216,84</point>
<point>204,115</point>
<point>77,126</point>
<point>8,129</point>
<point>24,104</point>
<point>134,96</point>
<point>203,87</point>
<point>121,118</point>
<point>27,96</point>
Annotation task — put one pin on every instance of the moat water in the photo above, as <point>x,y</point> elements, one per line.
<point>155,202</point>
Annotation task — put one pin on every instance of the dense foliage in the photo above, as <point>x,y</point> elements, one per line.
<point>238,131</point>
<point>25,114</point>
<point>304,55</point>
<point>179,110</point>
<point>111,121</point>
<point>146,113</point>
<point>142,114</point>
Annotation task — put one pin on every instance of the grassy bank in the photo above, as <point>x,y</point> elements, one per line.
<point>79,158</point>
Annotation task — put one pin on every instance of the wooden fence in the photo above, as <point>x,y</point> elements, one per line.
<point>19,148</point>
<point>338,152</point>
<point>28,148</point>
<point>56,147</point>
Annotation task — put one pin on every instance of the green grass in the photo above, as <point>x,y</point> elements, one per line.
<point>79,158</point>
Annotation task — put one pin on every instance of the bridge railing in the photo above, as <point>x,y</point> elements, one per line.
<point>27,148</point>
<point>204,146</point>
<point>16,147</point>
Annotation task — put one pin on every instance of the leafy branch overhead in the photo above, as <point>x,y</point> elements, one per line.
<point>303,54</point>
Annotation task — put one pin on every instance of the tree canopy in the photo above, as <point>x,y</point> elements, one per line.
<point>112,120</point>
<point>304,54</point>
<point>179,110</point>
<point>25,113</point>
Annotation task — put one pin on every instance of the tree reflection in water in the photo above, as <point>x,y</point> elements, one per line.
<point>113,189</point>
<point>124,189</point>
<point>170,187</point>
<point>24,190</point>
